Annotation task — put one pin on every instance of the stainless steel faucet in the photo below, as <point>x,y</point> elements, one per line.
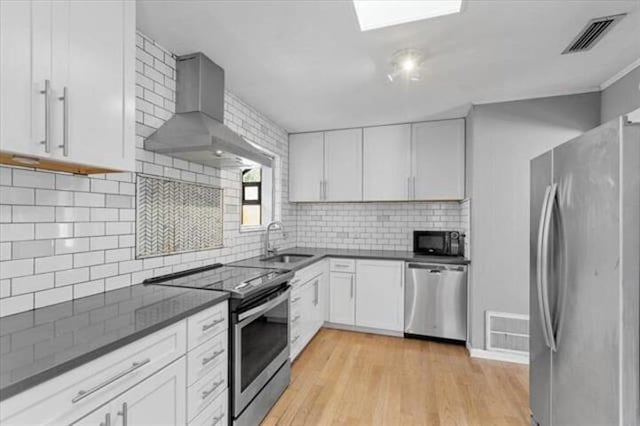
<point>267,245</point>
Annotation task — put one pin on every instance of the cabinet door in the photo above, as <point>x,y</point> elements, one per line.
<point>343,165</point>
<point>317,308</point>
<point>341,298</point>
<point>438,160</point>
<point>387,163</point>
<point>159,400</point>
<point>25,64</point>
<point>94,59</point>
<point>306,164</point>
<point>380,294</point>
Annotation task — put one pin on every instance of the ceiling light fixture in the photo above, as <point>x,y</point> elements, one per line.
<point>406,63</point>
<point>385,13</point>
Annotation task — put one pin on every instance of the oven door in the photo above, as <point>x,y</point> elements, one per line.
<point>430,242</point>
<point>260,346</point>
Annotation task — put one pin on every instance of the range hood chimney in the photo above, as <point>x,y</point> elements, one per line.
<point>196,132</point>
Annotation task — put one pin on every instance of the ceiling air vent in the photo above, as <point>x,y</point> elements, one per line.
<point>592,33</point>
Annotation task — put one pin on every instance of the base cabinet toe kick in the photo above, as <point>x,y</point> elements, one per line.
<point>175,376</point>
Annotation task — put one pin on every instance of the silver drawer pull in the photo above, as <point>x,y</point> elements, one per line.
<point>212,324</point>
<point>296,318</point>
<point>217,419</point>
<point>295,299</point>
<point>213,356</point>
<point>83,394</point>
<point>343,265</point>
<point>215,386</point>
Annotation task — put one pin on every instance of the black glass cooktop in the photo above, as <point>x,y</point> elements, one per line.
<point>239,281</point>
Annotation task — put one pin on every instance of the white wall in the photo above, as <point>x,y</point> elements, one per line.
<point>63,237</point>
<point>501,140</point>
<point>621,97</point>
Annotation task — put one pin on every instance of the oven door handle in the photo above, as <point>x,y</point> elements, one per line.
<point>264,307</point>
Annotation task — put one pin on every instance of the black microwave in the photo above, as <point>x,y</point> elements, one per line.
<point>438,243</point>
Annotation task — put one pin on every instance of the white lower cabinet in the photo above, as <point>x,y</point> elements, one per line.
<point>307,305</point>
<point>342,298</point>
<point>158,400</point>
<point>157,380</point>
<point>380,295</point>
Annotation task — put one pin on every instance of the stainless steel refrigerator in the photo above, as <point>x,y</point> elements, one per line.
<point>584,279</point>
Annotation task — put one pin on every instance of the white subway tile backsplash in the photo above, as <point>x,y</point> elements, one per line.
<point>71,276</point>
<point>88,288</point>
<point>16,268</point>
<point>54,263</point>
<point>72,214</point>
<point>104,214</point>
<point>72,183</point>
<point>71,245</point>
<point>31,283</point>
<point>86,229</point>
<point>5,288</point>
<point>15,304</point>
<point>102,271</point>
<point>54,230</point>
<point>117,282</point>
<point>88,258</point>
<point>53,296</point>
<point>16,232</point>
<point>120,201</point>
<point>33,179</point>
<point>87,199</point>
<point>33,248</point>
<point>106,186</point>
<point>5,251</point>
<point>119,228</point>
<point>6,176</point>
<point>117,255</point>
<point>13,195</point>
<point>103,243</point>
<point>33,214</point>
<point>47,197</point>
<point>5,214</point>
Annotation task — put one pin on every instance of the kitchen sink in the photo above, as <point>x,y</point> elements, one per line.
<point>287,258</point>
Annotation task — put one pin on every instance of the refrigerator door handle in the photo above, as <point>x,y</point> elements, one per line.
<point>551,202</point>
<point>539,269</point>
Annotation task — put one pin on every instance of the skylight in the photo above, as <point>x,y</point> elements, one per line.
<point>378,14</point>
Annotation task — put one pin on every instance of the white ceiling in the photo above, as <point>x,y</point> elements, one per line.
<point>307,66</point>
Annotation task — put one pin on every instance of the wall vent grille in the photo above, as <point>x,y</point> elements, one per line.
<point>506,332</point>
<point>592,33</point>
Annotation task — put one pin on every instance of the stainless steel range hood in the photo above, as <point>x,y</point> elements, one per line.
<point>196,132</point>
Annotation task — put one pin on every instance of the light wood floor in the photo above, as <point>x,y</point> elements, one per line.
<point>350,378</point>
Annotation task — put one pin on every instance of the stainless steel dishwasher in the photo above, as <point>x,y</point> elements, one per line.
<point>435,300</point>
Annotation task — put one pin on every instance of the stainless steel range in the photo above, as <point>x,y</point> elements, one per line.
<point>259,366</point>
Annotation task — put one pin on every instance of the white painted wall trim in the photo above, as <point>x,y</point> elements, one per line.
<point>617,76</point>
<point>533,95</point>
<point>499,356</point>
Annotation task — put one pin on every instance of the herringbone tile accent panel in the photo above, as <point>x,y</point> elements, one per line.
<point>175,217</point>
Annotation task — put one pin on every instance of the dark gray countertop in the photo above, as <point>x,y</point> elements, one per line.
<point>38,345</point>
<point>320,253</point>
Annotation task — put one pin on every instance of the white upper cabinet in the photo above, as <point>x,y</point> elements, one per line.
<point>438,160</point>
<point>343,165</point>
<point>380,295</point>
<point>25,66</point>
<point>306,167</point>
<point>387,163</point>
<point>71,69</point>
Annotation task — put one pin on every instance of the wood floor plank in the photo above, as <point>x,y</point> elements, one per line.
<point>347,378</point>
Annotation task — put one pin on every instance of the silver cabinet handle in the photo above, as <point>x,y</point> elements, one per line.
<point>294,282</point>
<point>315,301</point>
<point>413,186</point>
<point>351,285</point>
<point>409,187</point>
<point>296,318</point>
<point>321,190</point>
<point>82,394</point>
<point>65,122</point>
<point>212,324</point>
<point>124,413</point>
<point>295,299</point>
<point>107,420</point>
<point>324,190</point>
<point>47,116</point>
<point>341,265</point>
<point>215,386</point>
<point>216,354</point>
<point>217,419</point>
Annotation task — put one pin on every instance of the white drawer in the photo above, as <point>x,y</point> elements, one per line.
<point>206,357</point>
<point>96,382</point>
<point>206,324</point>
<point>215,414</point>
<point>204,391</point>
<point>342,265</point>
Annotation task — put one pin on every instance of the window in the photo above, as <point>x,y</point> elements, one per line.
<point>252,197</point>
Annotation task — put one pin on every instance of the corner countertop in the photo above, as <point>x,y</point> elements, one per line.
<point>38,345</point>
<point>317,254</point>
